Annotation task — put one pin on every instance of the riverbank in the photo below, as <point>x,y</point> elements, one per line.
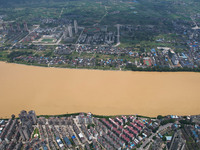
<point>55,91</point>
<point>154,69</point>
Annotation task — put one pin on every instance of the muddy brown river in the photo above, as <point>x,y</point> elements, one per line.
<point>60,91</point>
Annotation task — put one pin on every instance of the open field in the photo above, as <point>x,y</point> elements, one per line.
<point>47,40</point>
<point>61,91</point>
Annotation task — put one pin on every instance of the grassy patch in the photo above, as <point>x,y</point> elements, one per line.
<point>36,131</point>
<point>47,40</point>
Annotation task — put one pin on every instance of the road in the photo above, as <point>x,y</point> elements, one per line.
<point>61,13</point>
<point>57,43</point>
<point>102,16</point>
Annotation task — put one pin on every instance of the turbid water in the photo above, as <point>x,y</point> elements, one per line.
<point>61,91</point>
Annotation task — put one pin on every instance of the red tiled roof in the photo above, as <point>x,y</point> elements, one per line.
<point>132,130</point>
<point>125,138</point>
<point>135,126</point>
<point>139,123</point>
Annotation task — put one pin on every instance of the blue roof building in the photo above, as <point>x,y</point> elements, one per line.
<point>73,137</point>
<point>67,141</point>
<point>45,147</point>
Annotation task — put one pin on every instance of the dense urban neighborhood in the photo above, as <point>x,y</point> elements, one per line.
<point>88,131</point>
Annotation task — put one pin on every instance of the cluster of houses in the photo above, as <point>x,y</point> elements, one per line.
<point>127,134</point>
<point>88,56</point>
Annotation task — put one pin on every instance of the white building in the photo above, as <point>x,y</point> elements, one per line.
<point>175,60</point>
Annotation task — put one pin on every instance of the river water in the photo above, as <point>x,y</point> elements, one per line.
<point>60,91</point>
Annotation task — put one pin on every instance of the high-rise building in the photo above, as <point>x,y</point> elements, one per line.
<point>23,116</point>
<point>27,120</point>
<point>110,36</point>
<point>4,27</point>
<point>13,116</point>
<point>70,31</point>
<point>75,26</point>
<point>65,33</point>
<point>18,27</point>
<point>118,26</point>
<point>25,26</point>
<point>11,28</point>
<point>32,116</point>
